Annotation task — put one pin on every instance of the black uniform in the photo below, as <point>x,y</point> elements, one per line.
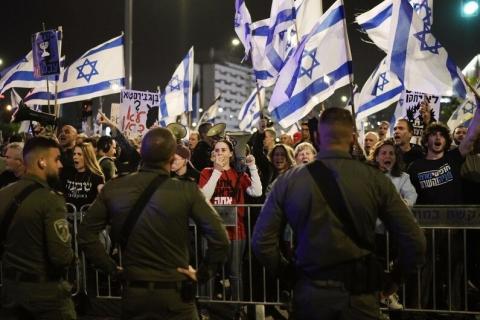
<point>37,250</point>
<point>158,244</point>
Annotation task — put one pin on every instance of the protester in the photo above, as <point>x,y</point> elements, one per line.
<point>403,132</point>
<point>83,183</point>
<point>370,139</point>
<point>304,153</point>
<point>182,167</point>
<point>158,277</point>
<point>382,130</point>
<point>14,167</point>
<point>334,266</point>
<point>202,151</point>
<point>67,140</point>
<point>223,185</point>
<point>193,140</point>
<point>106,151</point>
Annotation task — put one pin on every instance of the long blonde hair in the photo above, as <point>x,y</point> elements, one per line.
<point>91,162</point>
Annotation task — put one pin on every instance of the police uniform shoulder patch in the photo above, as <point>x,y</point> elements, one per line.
<point>61,229</point>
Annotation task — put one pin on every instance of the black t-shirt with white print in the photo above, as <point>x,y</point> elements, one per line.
<point>438,181</point>
<point>80,188</point>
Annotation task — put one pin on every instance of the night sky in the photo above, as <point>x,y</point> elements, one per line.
<point>163,30</point>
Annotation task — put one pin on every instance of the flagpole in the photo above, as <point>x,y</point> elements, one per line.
<point>56,106</point>
<point>48,85</point>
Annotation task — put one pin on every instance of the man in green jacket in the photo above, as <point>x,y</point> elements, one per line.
<point>155,258</point>
<point>37,246</point>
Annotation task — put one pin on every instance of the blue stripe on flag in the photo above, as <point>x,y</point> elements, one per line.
<point>275,60</point>
<point>378,19</point>
<point>262,74</point>
<point>186,83</point>
<point>334,17</point>
<point>249,102</point>
<point>262,31</point>
<point>379,99</point>
<point>298,101</point>
<point>163,106</point>
<point>458,87</point>
<point>112,44</point>
<point>402,33</point>
<point>78,91</point>
<point>22,76</point>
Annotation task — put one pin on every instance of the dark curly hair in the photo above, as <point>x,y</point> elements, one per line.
<point>433,128</point>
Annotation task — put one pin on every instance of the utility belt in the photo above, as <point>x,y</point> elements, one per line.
<point>187,288</point>
<point>18,276</point>
<point>359,276</point>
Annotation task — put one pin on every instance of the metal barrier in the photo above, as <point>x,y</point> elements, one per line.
<point>446,283</point>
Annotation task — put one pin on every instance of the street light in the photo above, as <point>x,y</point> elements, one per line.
<point>469,8</point>
<point>235,42</point>
<point>9,107</point>
<point>1,62</point>
<point>344,98</point>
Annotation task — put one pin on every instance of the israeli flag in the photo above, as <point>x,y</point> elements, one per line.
<point>320,64</point>
<point>99,71</point>
<point>265,73</point>
<point>464,113</point>
<point>376,22</point>
<point>250,112</point>
<point>177,97</point>
<point>242,25</point>
<point>20,75</point>
<point>381,89</point>
<point>417,57</point>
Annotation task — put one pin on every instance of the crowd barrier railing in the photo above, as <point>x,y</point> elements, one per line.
<point>447,283</point>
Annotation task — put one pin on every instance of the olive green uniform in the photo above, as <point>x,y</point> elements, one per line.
<point>37,250</point>
<point>322,243</point>
<point>159,242</point>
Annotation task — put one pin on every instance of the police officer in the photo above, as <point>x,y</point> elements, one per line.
<point>37,245</point>
<point>155,258</point>
<point>336,273</point>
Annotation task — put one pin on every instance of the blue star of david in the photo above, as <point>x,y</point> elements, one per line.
<point>428,11</point>
<point>308,71</point>
<point>174,83</point>
<point>424,46</point>
<point>382,81</point>
<point>87,75</point>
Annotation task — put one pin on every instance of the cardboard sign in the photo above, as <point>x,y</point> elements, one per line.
<point>138,112</point>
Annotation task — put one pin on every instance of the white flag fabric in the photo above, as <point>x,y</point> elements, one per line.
<point>20,75</point>
<point>211,112</point>
<point>242,25</point>
<point>380,90</point>
<point>99,71</point>
<point>320,64</point>
<point>418,58</point>
<point>376,22</point>
<point>15,100</point>
<point>265,72</point>
<point>250,112</point>
<point>308,12</point>
<point>464,113</point>
<point>177,97</point>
